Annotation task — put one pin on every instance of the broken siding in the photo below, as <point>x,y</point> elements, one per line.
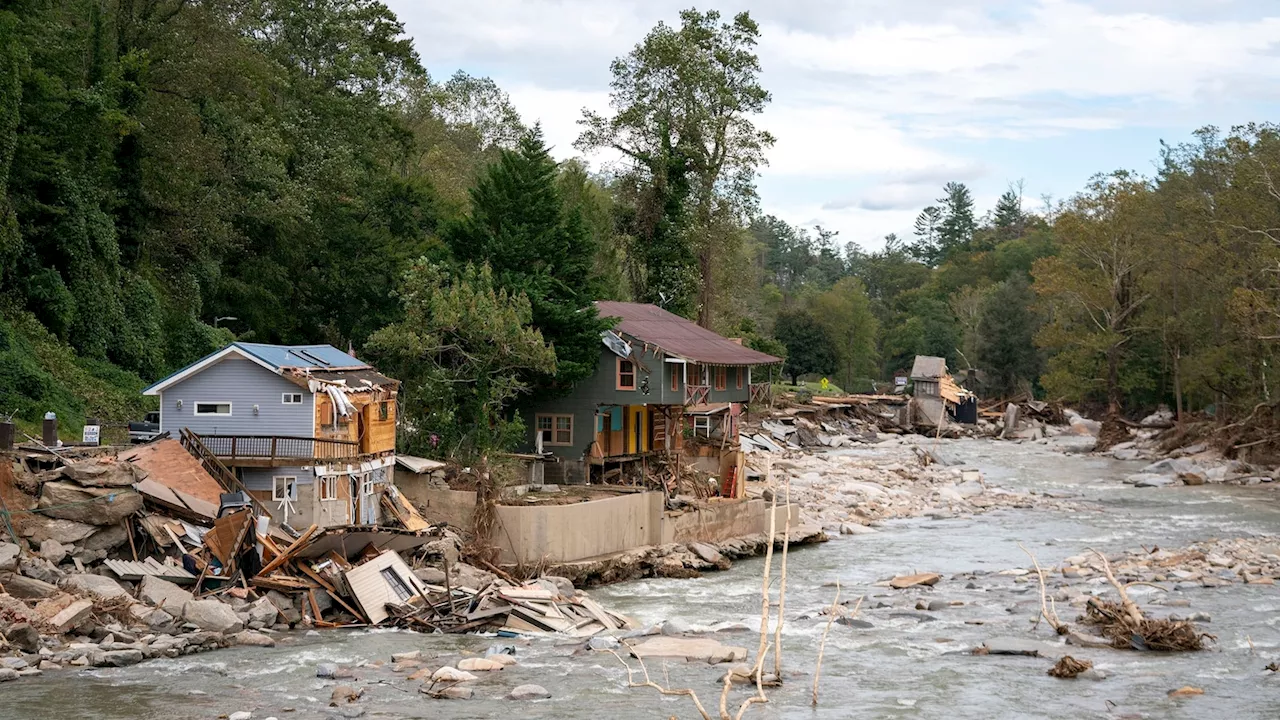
<point>243,383</point>
<point>371,589</point>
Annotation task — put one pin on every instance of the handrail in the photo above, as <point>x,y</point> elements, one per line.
<point>214,467</point>
<point>273,447</point>
<point>697,394</point>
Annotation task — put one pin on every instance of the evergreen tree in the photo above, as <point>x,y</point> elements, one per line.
<point>810,348</point>
<point>926,249</point>
<point>958,224</point>
<point>1007,330</point>
<point>519,226</point>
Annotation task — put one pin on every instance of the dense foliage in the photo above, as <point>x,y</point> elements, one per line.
<point>174,175</point>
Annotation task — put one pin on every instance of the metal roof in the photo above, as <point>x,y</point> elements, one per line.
<point>678,336</point>
<point>313,357</point>
<point>928,367</point>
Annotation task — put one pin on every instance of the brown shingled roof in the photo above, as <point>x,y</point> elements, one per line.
<point>679,337</point>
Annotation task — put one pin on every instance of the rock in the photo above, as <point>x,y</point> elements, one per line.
<point>97,473</point>
<point>16,663</point>
<point>7,674</point>
<point>40,569</point>
<point>211,615</point>
<point>479,665</point>
<point>107,538</point>
<point>121,658</point>
<point>453,692</point>
<point>430,575</point>
<point>72,616</point>
<point>98,586</point>
<point>67,532</point>
<point>563,585</point>
<point>906,581</point>
<point>602,642</point>
<point>528,692</point>
<point>405,656</point>
<point>24,637</point>
<point>9,556</point>
<point>421,675</point>
<point>242,715</point>
<point>53,551</point>
<point>451,674</point>
<point>48,665</point>
<point>1192,478</point>
<point>935,605</point>
<point>710,555</point>
<point>1093,674</point>
<point>28,588</point>
<point>288,612</point>
<point>855,529</point>
<point>1018,646</point>
<point>326,670</point>
<point>503,660</point>
<point>253,639</point>
<point>343,694</point>
<point>163,594</point>
<point>92,506</point>
<point>853,622</point>
<point>703,649</point>
<point>263,612</point>
<point>1150,480</point>
<point>1185,691</point>
<point>675,627</point>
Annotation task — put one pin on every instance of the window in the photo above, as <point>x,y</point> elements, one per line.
<point>722,377</point>
<point>366,485</point>
<point>626,375</point>
<point>675,376</point>
<point>384,411</point>
<point>284,488</point>
<point>397,584</point>
<point>555,429</point>
<point>213,408</point>
<point>291,398</point>
<point>702,424</point>
<point>328,487</point>
<point>739,371</point>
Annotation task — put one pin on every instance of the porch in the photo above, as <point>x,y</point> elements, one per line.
<point>267,451</point>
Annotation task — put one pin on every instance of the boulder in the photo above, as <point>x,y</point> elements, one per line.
<point>1150,480</point>
<point>67,532</point>
<point>528,692</point>
<point>211,615</point>
<point>326,670</point>
<point>263,612</point>
<point>91,505</point>
<point>71,616</point>
<point>563,585</point>
<point>1019,646</point>
<point>102,474</point>
<point>702,649</point>
<point>164,594</point>
<point>121,658</point>
<point>9,556</point>
<point>453,692</point>
<point>253,639</point>
<point>906,581</point>
<point>28,588</point>
<point>241,715</point>
<point>451,674</point>
<point>406,656</point>
<point>7,674</point>
<point>107,538</point>
<point>710,555</point>
<point>53,551</point>
<point>476,664</point>
<point>430,575</point>
<point>284,605</point>
<point>24,637</point>
<point>98,586</point>
<point>40,569</point>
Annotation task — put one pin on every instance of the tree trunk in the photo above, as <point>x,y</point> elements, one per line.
<point>708,287</point>
<point>1113,381</point>
<point>1177,380</point>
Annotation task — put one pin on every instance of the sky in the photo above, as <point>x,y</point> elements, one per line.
<point>878,103</point>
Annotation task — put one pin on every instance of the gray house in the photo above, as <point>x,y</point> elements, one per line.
<point>662,385</point>
<point>308,429</point>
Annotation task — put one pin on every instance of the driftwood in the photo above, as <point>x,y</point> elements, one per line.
<point>1069,667</point>
<point>1126,627</point>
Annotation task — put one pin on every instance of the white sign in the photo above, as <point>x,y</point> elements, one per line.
<point>899,380</point>
<point>92,433</point>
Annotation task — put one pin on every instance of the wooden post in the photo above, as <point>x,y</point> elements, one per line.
<point>273,448</point>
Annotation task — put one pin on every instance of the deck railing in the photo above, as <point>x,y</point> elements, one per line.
<point>697,394</point>
<point>231,449</point>
<point>215,468</point>
<point>761,393</point>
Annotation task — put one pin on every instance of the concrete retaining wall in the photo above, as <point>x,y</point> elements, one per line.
<point>568,533</point>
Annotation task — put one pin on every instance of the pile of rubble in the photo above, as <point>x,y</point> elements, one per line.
<point>844,494</point>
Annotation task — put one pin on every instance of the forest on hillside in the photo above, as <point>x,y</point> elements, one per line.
<point>178,174</point>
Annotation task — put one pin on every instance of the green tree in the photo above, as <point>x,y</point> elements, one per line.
<point>845,312</point>
<point>1007,349</point>
<point>519,226</point>
<point>462,352</point>
<point>810,348</point>
<point>682,105</point>
<point>955,232</point>
<point>927,249</point>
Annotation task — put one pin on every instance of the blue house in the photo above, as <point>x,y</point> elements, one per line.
<point>308,429</point>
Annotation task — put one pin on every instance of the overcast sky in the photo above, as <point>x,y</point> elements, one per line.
<point>877,103</point>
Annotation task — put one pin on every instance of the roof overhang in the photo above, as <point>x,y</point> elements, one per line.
<point>203,363</point>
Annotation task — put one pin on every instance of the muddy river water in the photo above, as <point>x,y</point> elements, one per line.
<point>908,664</point>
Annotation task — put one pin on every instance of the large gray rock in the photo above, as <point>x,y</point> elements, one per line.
<point>24,637</point>
<point>288,612</point>
<point>1151,480</point>
<point>40,569</point>
<point>53,551</point>
<point>1019,646</point>
<point>563,584</point>
<point>7,674</point>
<point>107,538</point>
<point>529,692</point>
<point>121,658</point>
<point>93,473</point>
<point>212,615</point>
<point>67,532</point>
<point>28,588</point>
<point>94,506</point>
<point>98,586</point>
<point>710,555</point>
<point>263,612</point>
<point>687,648</point>
<point>163,594</point>
<point>9,556</point>
<point>255,639</point>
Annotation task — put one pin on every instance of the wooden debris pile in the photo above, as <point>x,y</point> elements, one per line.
<point>536,607</point>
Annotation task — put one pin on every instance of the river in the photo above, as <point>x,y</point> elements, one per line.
<point>911,665</point>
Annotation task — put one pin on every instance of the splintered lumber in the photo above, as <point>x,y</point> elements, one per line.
<point>225,537</point>
<point>402,510</point>
<point>333,591</point>
<point>290,551</point>
<point>598,613</point>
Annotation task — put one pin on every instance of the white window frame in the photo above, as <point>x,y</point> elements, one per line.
<point>288,398</point>
<point>705,422</point>
<point>196,408</point>
<point>554,429</point>
<point>366,485</point>
<point>328,487</point>
<point>292,485</point>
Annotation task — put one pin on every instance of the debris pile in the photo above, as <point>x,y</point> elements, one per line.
<point>548,605</point>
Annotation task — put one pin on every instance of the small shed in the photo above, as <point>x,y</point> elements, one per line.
<point>926,374</point>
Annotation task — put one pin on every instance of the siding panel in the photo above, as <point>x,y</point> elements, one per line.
<point>244,384</point>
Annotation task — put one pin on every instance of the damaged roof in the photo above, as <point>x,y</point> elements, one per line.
<point>324,362</point>
<point>928,367</point>
<point>679,337</point>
